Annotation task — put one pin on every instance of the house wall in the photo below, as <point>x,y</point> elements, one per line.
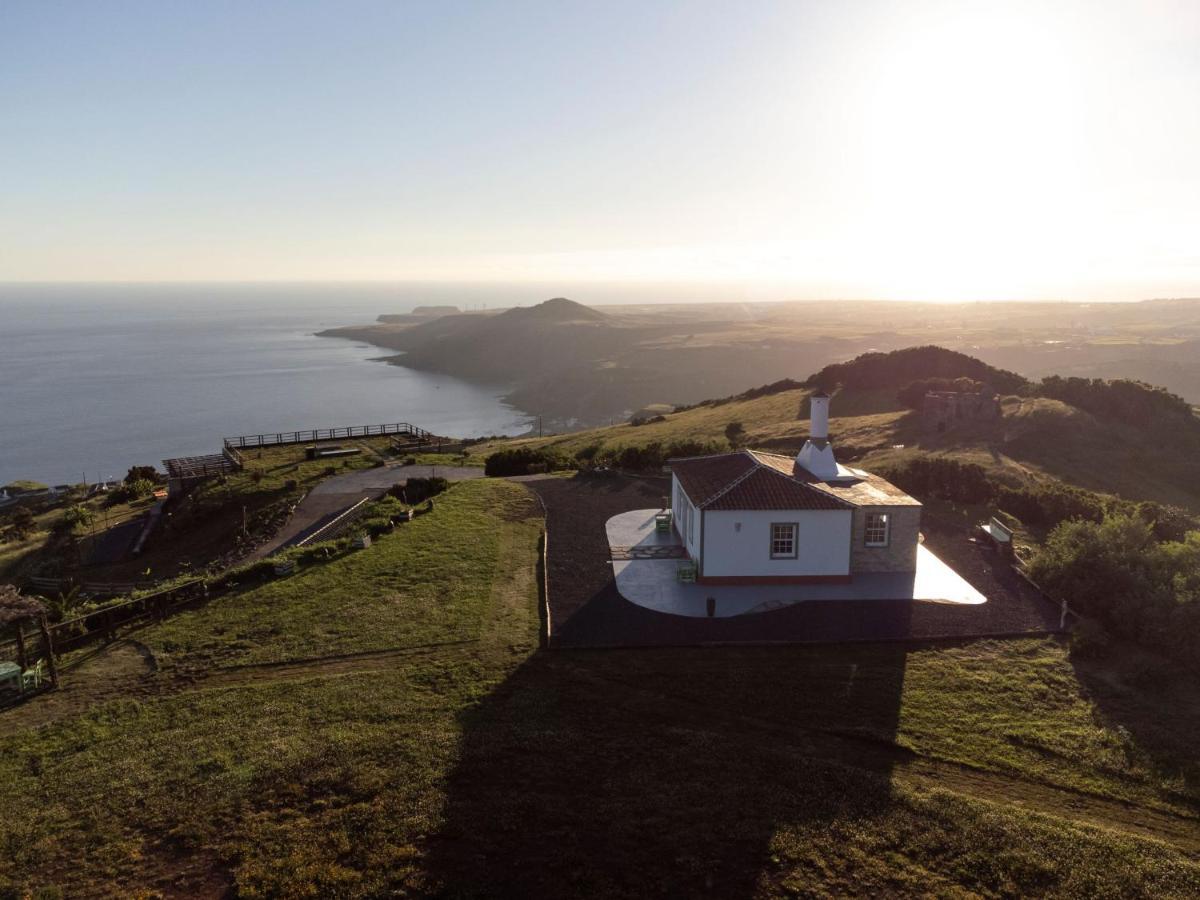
<point>900,555</point>
<point>744,553</point>
<point>686,518</point>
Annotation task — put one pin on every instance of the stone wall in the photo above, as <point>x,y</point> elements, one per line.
<point>900,555</point>
<point>941,410</point>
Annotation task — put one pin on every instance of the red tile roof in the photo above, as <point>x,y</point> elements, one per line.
<point>745,480</point>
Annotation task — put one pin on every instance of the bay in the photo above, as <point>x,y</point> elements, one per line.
<point>96,378</point>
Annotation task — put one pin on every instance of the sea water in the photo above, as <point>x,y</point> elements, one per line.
<point>94,379</point>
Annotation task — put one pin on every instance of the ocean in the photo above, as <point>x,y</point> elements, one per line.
<point>94,379</point>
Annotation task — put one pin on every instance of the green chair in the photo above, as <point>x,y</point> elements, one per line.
<point>32,678</point>
<point>686,572</point>
<point>662,523</point>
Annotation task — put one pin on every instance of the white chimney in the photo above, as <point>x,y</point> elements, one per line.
<point>817,454</point>
<point>818,416</point>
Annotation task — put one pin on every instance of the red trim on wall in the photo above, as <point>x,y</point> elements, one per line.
<point>773,579</point>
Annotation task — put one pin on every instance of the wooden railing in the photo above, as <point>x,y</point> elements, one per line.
<point>314,435</point>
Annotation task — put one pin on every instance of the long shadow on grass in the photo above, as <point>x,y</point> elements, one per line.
<point>1156,706</point>
<point>666,771</point>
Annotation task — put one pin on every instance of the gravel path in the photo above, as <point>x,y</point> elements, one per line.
<point>587,611</point>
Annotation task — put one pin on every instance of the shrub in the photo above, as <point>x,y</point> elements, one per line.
<point>654,455</point>
<point>587,454</point>
<point>21,524</point>
<point>734,432</point>
<point>1136,586</point>
<point>419,489</point>
<point>141,473</point>
<point>522,461</point>
<point>646,420</point>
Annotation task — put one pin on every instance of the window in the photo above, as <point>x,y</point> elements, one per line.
<point>878,529</point>
<point>783,540</point>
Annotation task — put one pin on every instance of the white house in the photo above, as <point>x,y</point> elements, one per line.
<point>759,518</point>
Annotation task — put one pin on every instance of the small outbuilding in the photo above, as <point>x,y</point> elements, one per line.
<point>750,517</point>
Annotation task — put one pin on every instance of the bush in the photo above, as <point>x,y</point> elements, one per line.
<point>1089,640</point>
<point>654,455</point>
<point>420,489</point>
<point>587,454</point>
<point>141,473</point>
<point>21,524</point>
<point>522,461</point>
<point>1137,587</point>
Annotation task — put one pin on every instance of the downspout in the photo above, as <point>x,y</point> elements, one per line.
<point>700,547</point>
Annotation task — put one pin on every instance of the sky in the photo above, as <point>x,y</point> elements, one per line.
<point>912,150</point>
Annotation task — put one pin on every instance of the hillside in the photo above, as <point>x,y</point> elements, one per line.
<point>580,367</point>
<point>1035,438</point>
<point>381,723</point>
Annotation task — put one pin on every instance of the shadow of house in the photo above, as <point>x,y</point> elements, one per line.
<point>634,773</point>
<point>1155,708</point>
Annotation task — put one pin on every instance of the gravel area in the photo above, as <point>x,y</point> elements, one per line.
<point>587,611</point>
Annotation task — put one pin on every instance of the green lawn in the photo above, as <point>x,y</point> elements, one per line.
<point>425,583</point>
<point>489,768</point>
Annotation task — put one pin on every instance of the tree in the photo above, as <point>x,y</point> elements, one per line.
<point>141,473</point>
<point>734,433</point>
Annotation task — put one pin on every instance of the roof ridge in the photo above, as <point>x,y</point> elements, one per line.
<point>794,480</point>
<point>729,487</point>
<point>672,459</point>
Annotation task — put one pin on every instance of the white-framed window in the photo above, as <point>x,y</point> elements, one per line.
<point>878,530</point>
<point>783,540</point>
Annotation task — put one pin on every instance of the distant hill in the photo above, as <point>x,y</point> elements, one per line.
<point>577,366</point>
<point>419,314</point>
<point>558,309</point>
<point>899,367</point>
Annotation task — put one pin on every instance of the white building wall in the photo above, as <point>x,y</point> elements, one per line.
<point>686,518</point>
<point>738,544</point>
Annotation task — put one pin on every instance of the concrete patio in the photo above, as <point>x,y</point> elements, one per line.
<point>651,582</point>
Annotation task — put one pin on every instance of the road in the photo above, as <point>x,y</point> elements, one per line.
<point>335,495</point>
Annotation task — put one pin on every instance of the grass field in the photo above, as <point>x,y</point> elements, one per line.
<point>451,757</point>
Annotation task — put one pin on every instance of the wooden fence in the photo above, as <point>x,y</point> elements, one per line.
<point>102,624</point>
<point>45,585</point>
<point>314,435</point>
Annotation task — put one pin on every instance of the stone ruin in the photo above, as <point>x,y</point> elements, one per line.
<point>942,410</point>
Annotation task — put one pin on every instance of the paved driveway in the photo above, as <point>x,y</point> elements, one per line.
<point>335,495</point>
<point>376,481</point>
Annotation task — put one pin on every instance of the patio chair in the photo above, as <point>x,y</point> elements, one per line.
<point>685,573</point>
<point>32,677</point>
<point>662,522</point>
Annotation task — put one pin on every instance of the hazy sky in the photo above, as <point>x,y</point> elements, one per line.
<point>914,149</point>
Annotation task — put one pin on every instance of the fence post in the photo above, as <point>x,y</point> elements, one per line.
<point>22,659</point>
<point>49,644</point>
